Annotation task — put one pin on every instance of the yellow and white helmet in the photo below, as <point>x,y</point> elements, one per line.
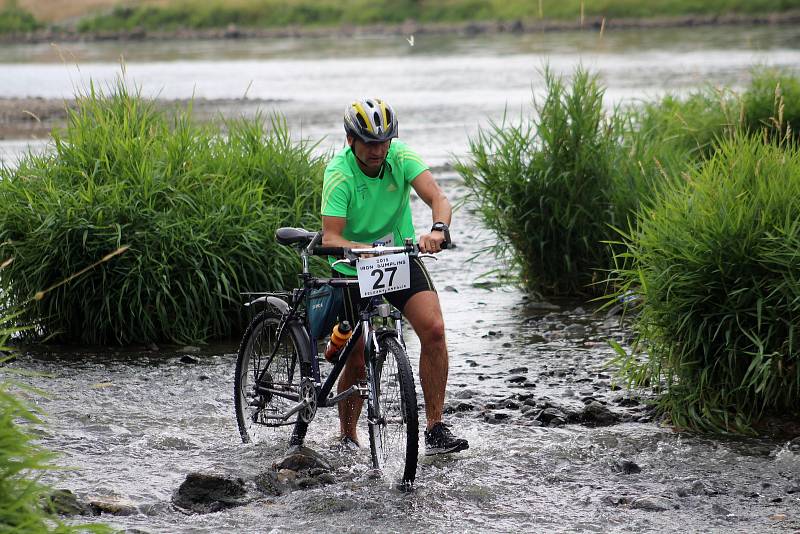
<point>370,120</point>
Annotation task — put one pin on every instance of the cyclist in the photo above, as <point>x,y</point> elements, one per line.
<point>365,202</point>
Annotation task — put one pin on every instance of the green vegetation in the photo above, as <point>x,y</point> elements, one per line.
<point>707,187</point>
<point>277,13</point>
<point>715,265</point>
<point>546,186</point>
<point>14,19</point>
<point>196,207</point>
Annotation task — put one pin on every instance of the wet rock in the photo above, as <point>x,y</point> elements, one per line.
<point>492,333</point>
<point>517,370</point>
<point>595,414</point>
<point>625,402</point>
<point>507,345</point>
<point>652,504</point>
<point>189,360</point>
<point>551,417</point>
<point>205,493</point>
<point>450,289</point>
<point>64,502</point>
<point>791,490</point>
<point>627,467</point>
<point>113,506</point>
<point>518,379</point>
<point>466,394</point>
<point>535,338</point>
<point>496,417</point>
<point>300,458</point>
<point>471,363</point>
<point>457,407</point>
<point>794,445</point>
<point>510,404</point>
<point>696,488</point>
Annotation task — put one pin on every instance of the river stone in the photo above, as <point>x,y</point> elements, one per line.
<point>551,417</point>
<point>455,407</point>
<point>652,504</point>
<point>465,394</point>
<point>595,414</point>
<point>299,458</point>
<point>64,502</point>
<point>113,506</point>
<point>627,467</point>
<point>575,330</point>
<point>206,493</point>
<point>269,483</point>
<point>716,509</point>
<point>517,379</point>
<point>517,370</point>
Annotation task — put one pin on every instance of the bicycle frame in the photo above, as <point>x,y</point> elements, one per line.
<point>308,357</point>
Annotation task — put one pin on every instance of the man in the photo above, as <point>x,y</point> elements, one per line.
<point>366,200</point>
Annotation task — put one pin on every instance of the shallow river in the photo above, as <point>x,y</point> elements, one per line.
<point>133,423</point>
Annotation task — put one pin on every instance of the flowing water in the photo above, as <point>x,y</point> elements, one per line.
<point>133,423</point>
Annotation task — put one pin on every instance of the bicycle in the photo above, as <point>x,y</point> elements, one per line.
<point>278,383</point>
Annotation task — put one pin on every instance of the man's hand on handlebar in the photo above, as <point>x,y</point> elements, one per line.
<point>432,242</point>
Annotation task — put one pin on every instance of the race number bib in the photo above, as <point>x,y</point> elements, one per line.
<point>383,274</point>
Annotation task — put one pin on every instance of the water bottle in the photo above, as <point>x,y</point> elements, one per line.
<point>341,333</point>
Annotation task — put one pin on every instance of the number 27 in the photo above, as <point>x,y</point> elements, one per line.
<point>380,273</point>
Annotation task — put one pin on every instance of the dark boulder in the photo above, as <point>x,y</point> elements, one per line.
<point>205,493</point>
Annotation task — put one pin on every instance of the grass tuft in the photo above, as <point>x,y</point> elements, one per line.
<point>715,263</point>
<point>196,207</point>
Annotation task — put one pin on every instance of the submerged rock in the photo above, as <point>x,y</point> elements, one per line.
<point>64,502</point>
<point>300,458</point>
<point>205,493</point>
<point>113,506</point>
<point>595,414</point>
<point>627,467</point>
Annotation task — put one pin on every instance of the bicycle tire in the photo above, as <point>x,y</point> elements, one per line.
<point>392,412</point>
<point>282,373</point>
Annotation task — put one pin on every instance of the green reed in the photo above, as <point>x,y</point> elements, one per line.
<point>546,185</point>
<point>715,265</point>
<point>196,205</point>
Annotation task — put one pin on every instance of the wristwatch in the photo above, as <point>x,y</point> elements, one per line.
<point>442,227</point>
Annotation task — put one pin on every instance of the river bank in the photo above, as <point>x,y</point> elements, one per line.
<point>410,27</point>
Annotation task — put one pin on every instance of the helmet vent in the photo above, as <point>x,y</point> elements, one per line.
<point>361,121</point>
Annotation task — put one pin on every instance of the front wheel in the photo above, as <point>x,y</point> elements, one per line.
<point>268,382</point>
<point>392,412</point>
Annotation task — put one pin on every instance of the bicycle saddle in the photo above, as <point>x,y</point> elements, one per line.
<point>290,236</point>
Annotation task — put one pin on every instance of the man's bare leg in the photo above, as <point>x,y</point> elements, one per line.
<point>424,313</point>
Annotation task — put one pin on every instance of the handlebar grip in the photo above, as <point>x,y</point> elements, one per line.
<point>337,252</point>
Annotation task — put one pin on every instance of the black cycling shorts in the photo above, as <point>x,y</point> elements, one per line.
<point>420,280</point>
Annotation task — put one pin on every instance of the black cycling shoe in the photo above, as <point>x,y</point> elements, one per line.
<point>439,440</point>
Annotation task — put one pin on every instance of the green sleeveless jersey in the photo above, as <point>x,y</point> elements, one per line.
<point>377,209</point>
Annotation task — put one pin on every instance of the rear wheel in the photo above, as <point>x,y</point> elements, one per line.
<point>268,382</point>
<point>392,412</point>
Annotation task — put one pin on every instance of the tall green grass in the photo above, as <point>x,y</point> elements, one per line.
<point>557,184</point>
<point>275,13</point>
<point>715,263</point>
<point>546,185</point>
<point>196,205</point>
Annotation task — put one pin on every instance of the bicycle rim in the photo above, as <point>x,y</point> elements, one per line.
<point>267,382</point>
<point>393,418</point>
